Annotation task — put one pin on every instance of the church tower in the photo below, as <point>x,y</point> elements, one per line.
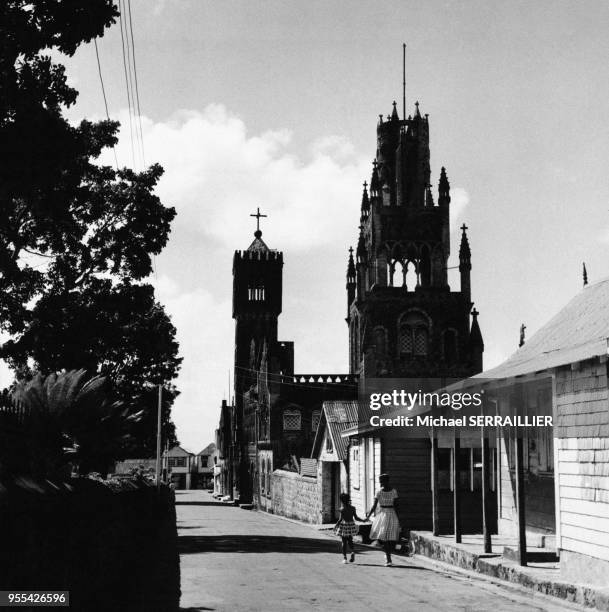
<point>257,288</point>
<point>404,320</point>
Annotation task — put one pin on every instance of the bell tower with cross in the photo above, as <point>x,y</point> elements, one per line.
<point>404,319</point>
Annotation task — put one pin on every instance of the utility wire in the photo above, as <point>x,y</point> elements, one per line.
<point>126,79</point>
<point>130,73</point>
<point>101,80</point>
<point>137,89</point>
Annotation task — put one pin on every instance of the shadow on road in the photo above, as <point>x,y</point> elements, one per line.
<point>198,609</point>
<point>255,544</point>
<point>199,503</point>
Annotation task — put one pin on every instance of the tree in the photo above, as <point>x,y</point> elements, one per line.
<point>71,420</point>
<point>76,236</point>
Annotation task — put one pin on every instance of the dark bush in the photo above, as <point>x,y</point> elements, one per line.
<point>113,548</point>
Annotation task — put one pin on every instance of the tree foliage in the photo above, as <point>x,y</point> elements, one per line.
<point>76,236</point>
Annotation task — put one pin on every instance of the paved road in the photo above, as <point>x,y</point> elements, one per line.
<point>238,560</point>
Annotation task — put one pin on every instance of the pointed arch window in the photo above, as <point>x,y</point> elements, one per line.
<point>414,335</point>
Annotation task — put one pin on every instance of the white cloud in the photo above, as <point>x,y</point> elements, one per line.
<point>216,175</point>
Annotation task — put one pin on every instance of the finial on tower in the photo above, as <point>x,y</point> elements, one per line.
<point>394,112</point>
<point>585,275</point>
<point>258,215</point>
<point>522,330</point>
<point>417,112</point>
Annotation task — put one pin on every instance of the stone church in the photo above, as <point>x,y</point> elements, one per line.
<point>404,321</point>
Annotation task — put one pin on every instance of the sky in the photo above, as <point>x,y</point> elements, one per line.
<point>275,104</point>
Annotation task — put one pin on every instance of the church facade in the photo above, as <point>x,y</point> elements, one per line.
<point>403,319</point>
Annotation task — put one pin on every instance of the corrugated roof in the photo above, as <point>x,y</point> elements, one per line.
<point>579,331</point>
<point>340,416</point>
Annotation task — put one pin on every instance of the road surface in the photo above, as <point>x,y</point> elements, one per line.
<point>242,560</point>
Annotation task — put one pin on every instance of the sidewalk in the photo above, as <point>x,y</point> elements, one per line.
<point>541,577</point>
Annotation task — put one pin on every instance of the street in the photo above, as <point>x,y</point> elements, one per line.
<point>235,559</point>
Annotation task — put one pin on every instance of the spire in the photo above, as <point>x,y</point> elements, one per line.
<point>375,183</point>
<point>522,329</point>
<point>476,344</point>
<point>465,253</point>
<point>351,284</point>
<point>394,113</point>
<point>350,267</point>
<point>365,202</point>
<point>417,113</point>
<point>585,275</point>
<point>443,189</point>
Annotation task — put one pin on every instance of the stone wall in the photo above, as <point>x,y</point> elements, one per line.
<point>295,496</point>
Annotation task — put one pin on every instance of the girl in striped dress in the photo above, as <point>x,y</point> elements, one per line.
<point>385,526</point>
<point>346,527</point>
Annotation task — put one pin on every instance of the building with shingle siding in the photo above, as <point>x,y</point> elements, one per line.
<point>561,371</point>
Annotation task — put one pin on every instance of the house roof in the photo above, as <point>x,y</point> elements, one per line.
<point>579,331</point>
<point>338,416</point>
<point>208,450</point>
<point>177,451</point>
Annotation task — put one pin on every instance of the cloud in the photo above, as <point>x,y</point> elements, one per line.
<point>217,174</point>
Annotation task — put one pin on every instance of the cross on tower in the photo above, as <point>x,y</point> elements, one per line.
<point>475,313</point>
<point>258,215</point>
<point>464,227</point>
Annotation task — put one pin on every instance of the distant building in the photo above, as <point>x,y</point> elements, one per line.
<point>179,465</point>
<point>205,467</point>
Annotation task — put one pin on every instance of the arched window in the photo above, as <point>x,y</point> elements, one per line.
<point>396,274</point>
<point>291,420</point>
<point>414,335</point>
<point>410,276</point>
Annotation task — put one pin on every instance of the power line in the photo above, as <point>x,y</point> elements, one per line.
<point>137,89</point>
<point>130,72</point>
<point>126,78</point>
<point>101,80</point>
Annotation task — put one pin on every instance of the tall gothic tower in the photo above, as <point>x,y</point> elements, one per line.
<point>403,318</point>
<point>257,287</point>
